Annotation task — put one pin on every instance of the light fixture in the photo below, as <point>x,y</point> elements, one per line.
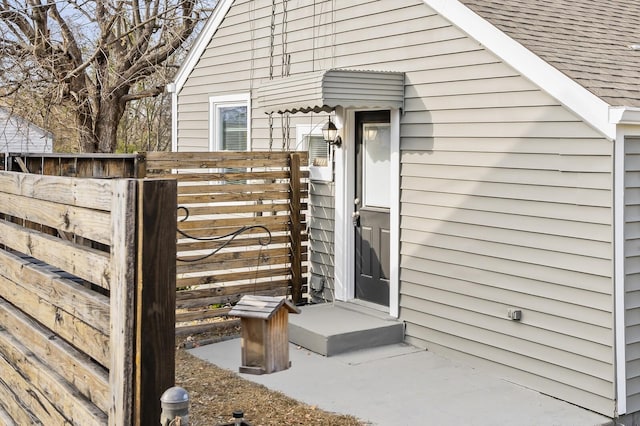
<point>371,132</point>
<point>330,134</point>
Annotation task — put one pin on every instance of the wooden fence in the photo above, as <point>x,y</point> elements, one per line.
<point>230,204</point>
<point>86,335</point>
<point>241,229</point>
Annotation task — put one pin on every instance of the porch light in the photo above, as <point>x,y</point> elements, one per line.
<point>371,133</point>
<point>330,134</point>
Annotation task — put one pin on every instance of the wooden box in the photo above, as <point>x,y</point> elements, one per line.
<point>265,333</point>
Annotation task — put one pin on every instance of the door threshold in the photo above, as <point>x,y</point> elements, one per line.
<point>369,305</point>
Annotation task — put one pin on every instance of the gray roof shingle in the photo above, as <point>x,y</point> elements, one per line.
<point>588,40</point>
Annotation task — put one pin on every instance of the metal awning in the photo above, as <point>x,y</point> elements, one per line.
<point>325,90</point>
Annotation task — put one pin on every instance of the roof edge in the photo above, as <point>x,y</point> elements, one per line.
<point>624,115</point>
<point>591,108</point>
<point>199,46</point>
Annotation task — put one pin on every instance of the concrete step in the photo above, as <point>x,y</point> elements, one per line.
<point>334,328</point>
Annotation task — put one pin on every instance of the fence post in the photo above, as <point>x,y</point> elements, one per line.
<point>295,227</point>
<point>122,337</point>
<point>156,296</point>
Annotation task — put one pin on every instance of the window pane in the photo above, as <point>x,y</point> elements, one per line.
<point>318,151</point>
<point>377,165</point>
<point>232,128</point>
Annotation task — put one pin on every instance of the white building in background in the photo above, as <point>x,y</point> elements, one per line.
<point>20,135</point>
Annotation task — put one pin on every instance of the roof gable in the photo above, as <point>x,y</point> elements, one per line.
<point>589,40</point>
<point>200,45</point>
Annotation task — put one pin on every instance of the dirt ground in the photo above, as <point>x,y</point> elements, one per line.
<point>215,393</point>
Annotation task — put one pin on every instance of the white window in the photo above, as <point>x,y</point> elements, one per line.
<point>320,155</point>
<point>229,123</point>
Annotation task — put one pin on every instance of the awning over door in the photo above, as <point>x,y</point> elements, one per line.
<point>324,90</point>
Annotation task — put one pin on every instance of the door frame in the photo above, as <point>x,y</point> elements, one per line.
<point>344,235</point>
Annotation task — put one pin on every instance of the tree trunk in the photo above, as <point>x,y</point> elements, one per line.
<point>99,131</point>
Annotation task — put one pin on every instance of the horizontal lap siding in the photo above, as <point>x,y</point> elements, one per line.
<point>501,221</point>
<point>505,202</point>
<point>632,271</point>
<point>321,240</point>
<point>505,195</point>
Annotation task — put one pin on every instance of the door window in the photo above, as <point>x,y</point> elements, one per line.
<point>376,165</point>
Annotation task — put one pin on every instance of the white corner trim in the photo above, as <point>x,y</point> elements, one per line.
<point>619,275</point>
<point>201,43</point>
<point>394,219</point>
<point>344,268</point>
<point>592,109</point>
<point>174,121</point>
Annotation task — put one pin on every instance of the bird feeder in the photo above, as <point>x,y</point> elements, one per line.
<point>264,324</point>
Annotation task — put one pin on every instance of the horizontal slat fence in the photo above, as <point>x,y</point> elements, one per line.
<point>223,192</point>
<point>241,229</point>
<point>76,321</point>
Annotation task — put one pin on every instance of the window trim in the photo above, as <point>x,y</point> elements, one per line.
<point>319,173</point>
<point>243,99</point>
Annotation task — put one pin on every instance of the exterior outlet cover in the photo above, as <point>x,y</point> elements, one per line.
<point>514,314</point>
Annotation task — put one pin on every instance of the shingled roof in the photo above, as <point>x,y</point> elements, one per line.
<point>588,40</point>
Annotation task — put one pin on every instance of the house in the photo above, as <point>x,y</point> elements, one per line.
<point>20,135</point>
<point>487,188</point>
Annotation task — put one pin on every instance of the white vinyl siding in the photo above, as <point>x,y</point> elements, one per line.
<point>506,196</point>
<point>18,135</point>
<point>632,271</point>
<point>321,240</point>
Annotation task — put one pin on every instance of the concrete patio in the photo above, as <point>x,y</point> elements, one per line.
<point>398,384</point>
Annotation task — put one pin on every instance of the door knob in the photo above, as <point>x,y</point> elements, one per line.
<point>355,217</point>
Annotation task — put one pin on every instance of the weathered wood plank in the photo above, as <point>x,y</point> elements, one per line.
<point>265,207</point>
<point>156,297</point>
<point>123,269</point>
<point>210,326</point>
<point>201,314</point>
<point>250,274</point>
<point>5,419</point>
<point>156,156</point>
<point>184,246</point>
<point>239,222</point>
<point>90,193</point>
<point>204,177</point>
<point>215,163</point>
<point>221,189</point>
<point>67,326</point>
<point>217,232</point>
<point>91,224</point>
<point>51,389</point>
<point>14,406</point>
<point>90,379</point>
<point>214,264</point>
<point>254,255</point>
<point>226,290</point>
<point>69,296</point>
<point>278,288</point>
<point>232,197</point>
<point>84,262</point>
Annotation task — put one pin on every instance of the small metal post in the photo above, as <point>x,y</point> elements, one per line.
<point>175,407</point>
<point>238,417</point>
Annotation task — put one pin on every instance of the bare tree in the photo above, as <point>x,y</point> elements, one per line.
<point>91,56</point>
